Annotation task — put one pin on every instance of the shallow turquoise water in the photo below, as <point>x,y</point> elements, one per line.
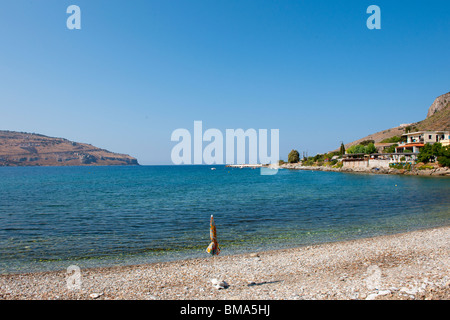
<point>52,217</point>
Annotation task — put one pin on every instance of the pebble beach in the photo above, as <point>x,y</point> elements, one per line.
<point>407,266</point>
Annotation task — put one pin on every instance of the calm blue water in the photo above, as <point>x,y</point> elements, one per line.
<point>52,217</point>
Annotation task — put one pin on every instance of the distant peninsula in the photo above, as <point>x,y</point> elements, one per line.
<point>31,149</point>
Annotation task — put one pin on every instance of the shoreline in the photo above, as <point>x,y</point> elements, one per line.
<point>437,172</point>
<point>412,265</point>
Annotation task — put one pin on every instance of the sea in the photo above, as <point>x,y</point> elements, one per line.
<point>55,217</point>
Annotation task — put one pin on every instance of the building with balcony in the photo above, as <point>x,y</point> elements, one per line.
<point>416,140</point>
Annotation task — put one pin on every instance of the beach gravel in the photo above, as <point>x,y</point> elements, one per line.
<point>413,265</point>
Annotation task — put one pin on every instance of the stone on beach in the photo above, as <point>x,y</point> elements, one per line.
<point>219,284</point>
<point>372,296</point>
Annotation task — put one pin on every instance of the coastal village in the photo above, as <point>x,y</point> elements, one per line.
<point>421,148</point>
<point>414,155</point>
<point>406,152</point>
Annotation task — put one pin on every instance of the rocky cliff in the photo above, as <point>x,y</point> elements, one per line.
<point>30,149</point>
<point>439,104</point>
<point>438,117</point>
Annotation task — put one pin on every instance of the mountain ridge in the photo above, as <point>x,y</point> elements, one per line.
<point>32,149</point>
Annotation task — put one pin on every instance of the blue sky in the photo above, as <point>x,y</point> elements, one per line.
<point>137,70</point>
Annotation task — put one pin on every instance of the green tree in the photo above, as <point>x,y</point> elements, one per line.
<point>318,157</point>
<point>356,149</point>
<point>370,148</point>
<point>444,161</point>
<point>436,149</point>
<point>294,156</point>
<point>308,161</point>
<point>426,153</point>
<point>351,149</point>
<point>342,149</point>
<point>442,154</point>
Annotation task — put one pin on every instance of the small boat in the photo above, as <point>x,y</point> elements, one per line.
<point>213,168</point>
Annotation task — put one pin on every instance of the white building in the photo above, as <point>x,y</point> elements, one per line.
<point>416,140</point>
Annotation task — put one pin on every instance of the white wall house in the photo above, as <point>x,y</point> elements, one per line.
<point>416,140</point>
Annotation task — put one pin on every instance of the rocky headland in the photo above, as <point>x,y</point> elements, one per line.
<point>31,149</point>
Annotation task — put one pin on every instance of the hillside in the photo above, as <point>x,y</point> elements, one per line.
<point>30,149</point>
<point>438,118</point>
<point>438,115</point>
